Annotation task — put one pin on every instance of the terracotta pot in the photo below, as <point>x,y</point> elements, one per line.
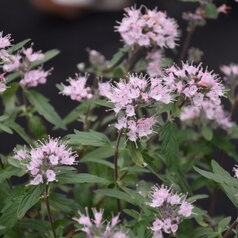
<point>58,9</point>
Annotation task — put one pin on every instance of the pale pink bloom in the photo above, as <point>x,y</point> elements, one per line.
<point>97,227</point>
<point>189,16</point>
<point>223,9</point>
<point>235,169</point>
<point>154,64</point>
<point>172,209</point>
<point>20,154</point>
<point>4,41</point>
<point>33,56</point>
<point>150,28</point>
<point>77,89</point>
<point>174,228</point>
<point>50,175</point>
<point>174,199</point>
<point>41,160</point>
<point>34,77</point>
<point>230,71</point>
<point>104,89</point>
<point>37,180</point>
<point>185,209</point>
<point>13,63</point>
<point>98,217</point>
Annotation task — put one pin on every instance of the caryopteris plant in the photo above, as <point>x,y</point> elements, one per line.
<point>142,152</point>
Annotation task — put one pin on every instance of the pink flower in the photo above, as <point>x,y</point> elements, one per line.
<point>34,77</point>
<point>50,175</point>
<point>185,209</point>
<point>4,41</point>
<point>172,209</point>
<point>33,56</point>
<point>151,28</point>
<point>12,64</point>
<point>97,228</point>
<point>154,65</point>
<point>37,180</point>
<point>41,160</point>
<point>77,89</point>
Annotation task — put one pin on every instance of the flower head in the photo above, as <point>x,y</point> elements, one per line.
<point>173,208</point>
<point>5,41</point>
<point>33,56</point>
<point>34,77</point>
<point>42,160</point>
<point>129,94</point>
<point>77,89</point>
<point>97,227</point>
<point>149,28</point>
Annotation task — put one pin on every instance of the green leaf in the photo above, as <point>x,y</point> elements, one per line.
<point>75,113</point>
<point>48,56</point>
<point>118,56</point>
<point>104,103</point>
<point>207,133</point>
<point>10,171</point>
<point>30,197</point>
<point>132,213</point>
<point>10,98</point>
<point>135,154</point>
<point>99,154</point>
<point>211,10</point>
<point>17,46</point>
<point>116,194</point>
<point>71,178</point>
<point>228,183</point>
<point>41,104</point>
<point>12,76</point>
<point>36,126</point>
<point>62,203</point>
<point>20,131</point>
<point>92,138</point>
<point>170,144</point>
<point>223,224</point>
<point>34,224</point>
<point>5,128</point>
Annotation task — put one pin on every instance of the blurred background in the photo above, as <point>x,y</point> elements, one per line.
<point>72,26</point>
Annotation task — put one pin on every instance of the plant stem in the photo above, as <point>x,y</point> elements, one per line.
<point>186,43</point>
<point>230,229</point>
<point>86,123</point>
<point>116,164</point>
<point>48,210</point>
<point>133,58</point>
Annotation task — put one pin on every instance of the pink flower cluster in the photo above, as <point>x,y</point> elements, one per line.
<point>173,208</point>
<point>202,91</point>
<point>230,71</point>
<point>128,95</point>
<point>5,41</point>
<point>154,65</point>
<point>34,77</point>
<point>42,161</point>
<point>136,129</point>
<point>21,62</point>
<point>96,227</point>
<point>77,89</point>
<point>211,113</point>
<point>150,28</point>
